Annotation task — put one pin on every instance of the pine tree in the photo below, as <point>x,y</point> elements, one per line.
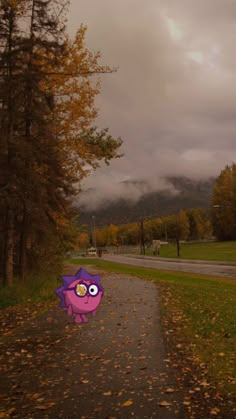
<point>10,62</point>
<point>47,138</point>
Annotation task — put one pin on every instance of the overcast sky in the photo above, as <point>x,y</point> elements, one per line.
<point>173,98</point>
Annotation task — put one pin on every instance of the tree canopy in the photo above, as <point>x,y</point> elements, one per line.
<point>224,204</point>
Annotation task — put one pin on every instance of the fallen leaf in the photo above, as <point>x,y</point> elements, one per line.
<point>107,361</point>
<point>107,393</point>
<point>98,409</point>
<point>214,411</point>
<point>41,407</point>
<point>164,403</point>
<point>169,390</point>
<point>127,403</point>
<point>204,384</point>
<point>51,404</point>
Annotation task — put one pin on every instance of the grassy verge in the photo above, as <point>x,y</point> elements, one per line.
<point>219,251</point>
<point>206,314</point>
<point>34,289</point>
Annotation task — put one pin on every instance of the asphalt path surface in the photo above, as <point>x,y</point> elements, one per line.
<point>227,270</point>
<point>114,366</point>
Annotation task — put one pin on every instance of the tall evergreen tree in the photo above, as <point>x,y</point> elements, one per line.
<point>10,104</point>
<point>47,140</point>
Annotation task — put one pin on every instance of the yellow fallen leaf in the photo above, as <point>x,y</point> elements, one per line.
<point>204,384</point>
<point>51,404</point>
<point>127,403</point>
<point>164,403</point>
<point>35,395</point>
<point>169,390</point>
<point>107,393</point>
<point>214,411</point>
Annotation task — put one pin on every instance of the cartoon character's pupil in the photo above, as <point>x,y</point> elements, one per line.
<point>81,290</point>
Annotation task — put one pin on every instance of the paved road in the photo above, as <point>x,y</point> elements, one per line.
<point>201,267</point>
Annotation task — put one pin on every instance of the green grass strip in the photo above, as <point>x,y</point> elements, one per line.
<point>218,251</point>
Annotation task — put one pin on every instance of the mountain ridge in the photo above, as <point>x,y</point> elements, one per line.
<point>189,193</point>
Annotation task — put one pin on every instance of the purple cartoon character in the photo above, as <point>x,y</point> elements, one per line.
<point>80,294</point>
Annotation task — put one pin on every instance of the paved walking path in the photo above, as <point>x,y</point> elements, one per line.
<point>115,366</point>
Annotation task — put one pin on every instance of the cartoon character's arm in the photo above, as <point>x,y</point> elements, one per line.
<point>94,312</point>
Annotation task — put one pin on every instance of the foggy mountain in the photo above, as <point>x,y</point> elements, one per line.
<point>185,193</point>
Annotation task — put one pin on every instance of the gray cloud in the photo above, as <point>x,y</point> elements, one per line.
<point>173,98</point>
<point>93,198</point>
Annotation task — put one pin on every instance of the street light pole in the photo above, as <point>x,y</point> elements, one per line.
<point>94,233</point>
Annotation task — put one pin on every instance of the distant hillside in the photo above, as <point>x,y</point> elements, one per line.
<point>192,194</point>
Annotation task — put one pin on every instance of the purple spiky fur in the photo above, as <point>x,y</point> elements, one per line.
<point>68,279</point>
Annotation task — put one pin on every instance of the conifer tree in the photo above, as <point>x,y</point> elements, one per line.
<point>47,138</point>
<point>10,103</point>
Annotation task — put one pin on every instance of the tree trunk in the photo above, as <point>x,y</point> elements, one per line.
<point>23,246</point>
<point>9,249</point>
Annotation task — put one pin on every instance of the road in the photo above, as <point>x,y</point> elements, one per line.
<point>226,270</point>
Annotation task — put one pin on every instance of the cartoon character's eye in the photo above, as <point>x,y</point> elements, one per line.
<point>81,290</point>
<point>93,290</point>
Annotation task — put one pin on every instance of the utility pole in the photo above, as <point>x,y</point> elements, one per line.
<point>166,237</point>
<point>178,238</point>
<point>142,239</point>
<point>94,233</point>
